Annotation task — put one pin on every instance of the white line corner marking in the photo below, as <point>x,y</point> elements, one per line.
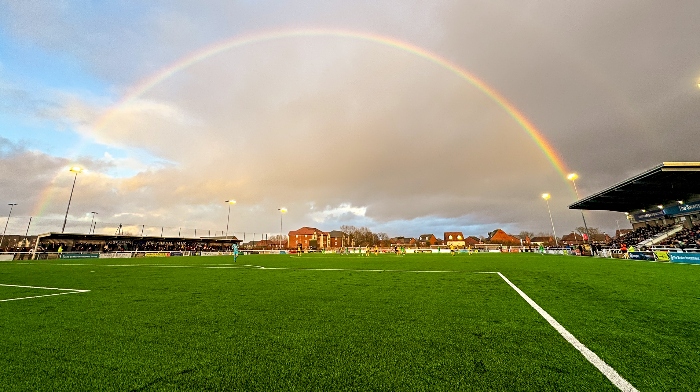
<point>62,292</point>
<point>592,357</point>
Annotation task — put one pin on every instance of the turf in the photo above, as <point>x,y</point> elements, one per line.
<point>202,323</point>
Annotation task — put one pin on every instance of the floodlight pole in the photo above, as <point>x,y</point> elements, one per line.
<point>282,211</point>
<point>228,217</point>
<point>546,198</point>
<point>91,231</point>
<point>75,170</point>
<point>26,234</point>
<point>6,223</point>
<point>585,226</point>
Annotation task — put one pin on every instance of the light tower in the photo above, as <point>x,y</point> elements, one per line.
<point>282,211</point>
<point>572,177</point>
<point>6,223</point>
<point>228,217</point>
<point>76,170</point>
<point>546,197</point>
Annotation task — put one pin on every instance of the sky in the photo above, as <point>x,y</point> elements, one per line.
<point>404,117</point>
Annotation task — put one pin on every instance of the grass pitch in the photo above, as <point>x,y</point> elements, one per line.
<point>332,322</point>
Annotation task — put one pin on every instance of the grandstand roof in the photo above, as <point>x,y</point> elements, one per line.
<point>102,237</point>
<point>666,183</point>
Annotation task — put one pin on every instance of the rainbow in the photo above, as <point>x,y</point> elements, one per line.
<point>149,82</point>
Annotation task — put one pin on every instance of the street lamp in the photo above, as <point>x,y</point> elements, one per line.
<point>546,197</point>
<point>92,229</point>
<point>572,177</point>
<point>76,170</point>
<point>282,212</point>
<point>8,221</point>
<point>228,217</point>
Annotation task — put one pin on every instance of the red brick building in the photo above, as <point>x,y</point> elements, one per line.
<point>471,241</point>
<point>499,236</point>
<point>427,240</point>
<point>309,238</point>
<point>338,239</point>
<point>455,238</point>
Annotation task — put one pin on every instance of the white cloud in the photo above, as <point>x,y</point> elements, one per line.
<point>337,213</point>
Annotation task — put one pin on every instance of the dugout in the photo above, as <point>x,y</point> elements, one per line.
<point>74,242</point>
<point>666,194</point>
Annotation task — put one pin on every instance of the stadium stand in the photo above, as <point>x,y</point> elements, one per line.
<point>662,204</point>
<point>686,238</point>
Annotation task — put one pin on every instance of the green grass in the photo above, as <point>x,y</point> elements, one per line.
<point>146,325</point>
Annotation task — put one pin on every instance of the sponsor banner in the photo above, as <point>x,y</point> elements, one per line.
<point>683,208</point>
<point>176,254</point>
<point>649,215</point>
<point>117,255</point>
<point>210,254</point>
<point>690,258</point>
<point>661,255</point>
<point>157,254</point>
<point>642,256</point>
<point>79,255</point>
<point>9,257</point>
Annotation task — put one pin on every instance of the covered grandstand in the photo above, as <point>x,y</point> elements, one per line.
<point>76,245</point>
<point>662,204</point>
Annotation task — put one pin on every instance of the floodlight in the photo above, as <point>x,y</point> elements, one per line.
<point>660,207</point>
<point>76,169</point>
<point>680,201</point>
<point>572,177</point>
<point>282,210</point>
<point>546,196</point>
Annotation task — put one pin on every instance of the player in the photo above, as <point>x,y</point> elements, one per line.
<point>403,250</point>
<point>299,249</point>
<point>235,251</point>
<point>452,250</point>
<point>376,250</point>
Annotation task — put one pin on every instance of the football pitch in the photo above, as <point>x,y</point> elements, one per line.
<point>345,322</point>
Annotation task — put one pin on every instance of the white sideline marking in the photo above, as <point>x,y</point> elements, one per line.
<point>43,288</point>
<point>594,359</point>
<point>65,291</point>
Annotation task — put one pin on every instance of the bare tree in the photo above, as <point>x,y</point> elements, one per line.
<point>525,234</point>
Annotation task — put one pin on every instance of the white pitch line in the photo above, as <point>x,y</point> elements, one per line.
<point>43,288</point>
<point>594,359</point>
<point>45,295</point>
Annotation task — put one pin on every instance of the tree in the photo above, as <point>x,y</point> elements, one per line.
<point>591,230</point>
<point>360,236</point>
<point>525,235</point>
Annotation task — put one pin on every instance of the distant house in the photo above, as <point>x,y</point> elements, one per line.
<point>499,236</point>
<point>337,239</point>
<point>471,241</point>
<point>403,241</point>
<point>309,238</point>
<point>576,238</point>
<point>543,240</point>
<point>427,240</point>
<point>572,238</point>
<point>455,238</point>
<point>261,244</point>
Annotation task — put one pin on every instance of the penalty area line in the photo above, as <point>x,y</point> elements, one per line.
<point>592,357</point>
